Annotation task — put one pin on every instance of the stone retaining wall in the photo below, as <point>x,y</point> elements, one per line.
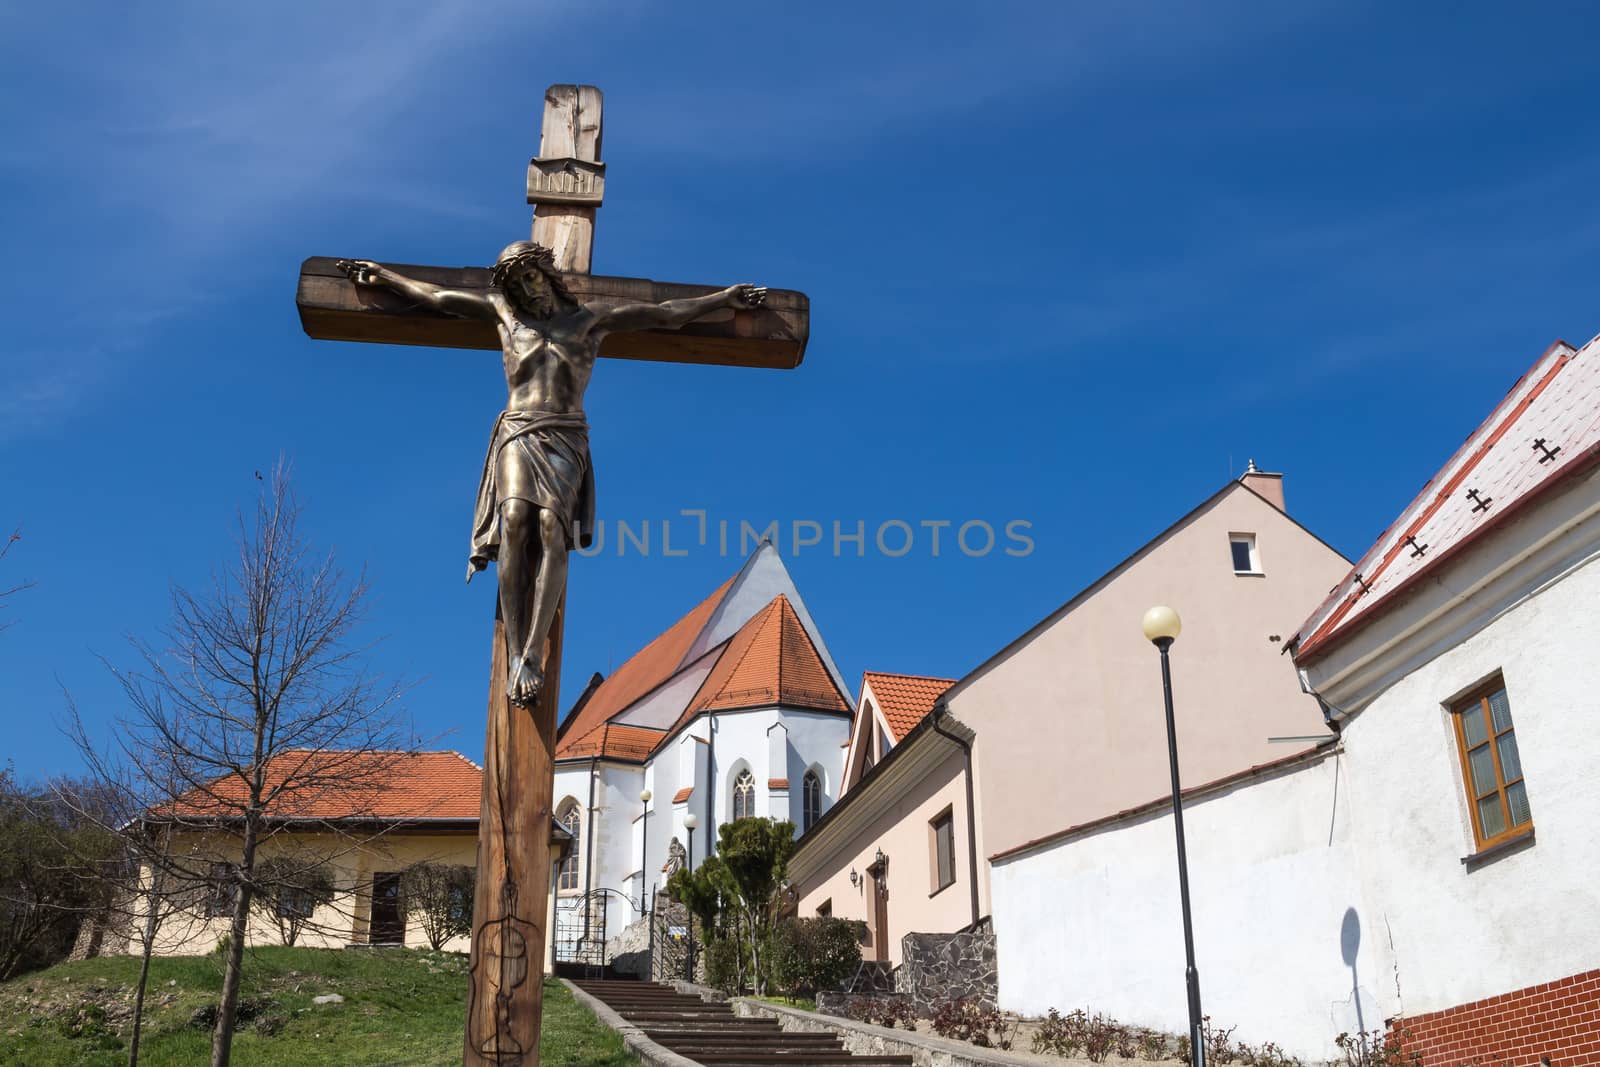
<point>940,967</point>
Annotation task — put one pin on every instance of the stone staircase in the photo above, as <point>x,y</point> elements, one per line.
<point>711,1034</point>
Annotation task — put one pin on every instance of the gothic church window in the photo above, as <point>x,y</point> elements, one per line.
<point>744,795</point>
<point>569,817</point>
<point>811,800</point>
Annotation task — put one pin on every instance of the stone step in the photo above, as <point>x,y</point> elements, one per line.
<point>739,1038</point>
<point>710,1033</point>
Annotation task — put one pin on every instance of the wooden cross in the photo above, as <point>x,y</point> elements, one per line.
<point>565,183</point>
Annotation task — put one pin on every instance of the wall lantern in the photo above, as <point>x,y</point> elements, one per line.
<point>855,879</point>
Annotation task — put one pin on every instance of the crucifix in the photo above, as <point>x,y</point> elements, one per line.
<point>549,318</point>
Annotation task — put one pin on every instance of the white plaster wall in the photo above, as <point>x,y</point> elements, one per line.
<point>1095,922</point>
<point>741,740</point>
<point>1523,918</point>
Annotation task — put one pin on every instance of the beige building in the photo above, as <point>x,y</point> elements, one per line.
<point>906,782</point>
<point>1063,727</point>
<point>411,808</point>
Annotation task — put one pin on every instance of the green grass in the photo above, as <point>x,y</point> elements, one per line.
<point>803,1003</point>
<point>402,1009</point>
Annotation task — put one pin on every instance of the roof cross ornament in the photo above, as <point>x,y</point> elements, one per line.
<point>1417,550</point>
<point>1549,453</point>
<point>1479,501</point>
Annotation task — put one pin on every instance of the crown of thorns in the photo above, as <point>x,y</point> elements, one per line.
<point>520,255</point>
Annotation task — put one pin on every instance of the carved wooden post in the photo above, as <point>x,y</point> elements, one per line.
<point>505,1003</point>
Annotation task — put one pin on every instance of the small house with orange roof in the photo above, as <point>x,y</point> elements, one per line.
<point>737,709</point>
<point>906,778</point>
<point>362,818</point>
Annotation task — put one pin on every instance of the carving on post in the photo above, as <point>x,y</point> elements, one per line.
<point>566,181</point>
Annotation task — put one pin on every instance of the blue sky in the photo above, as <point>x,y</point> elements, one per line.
<point>1069,263</point>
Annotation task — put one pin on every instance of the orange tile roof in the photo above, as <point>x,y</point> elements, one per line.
<point>646,669</point>
<point>362,786</point>
<point>615,741</point>
<point>777,783</point>
<point>904,699</point>
<point>771,660</point>
<point>683,794</point>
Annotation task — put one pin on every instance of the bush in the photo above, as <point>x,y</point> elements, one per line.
<point>1377,1049</point>
<point>970,1021</point>
<point>722,965</point>
<point>882,1011</point>
<point>1058,1034</point>
<point>1153,1045</point>
<point>811,955</point>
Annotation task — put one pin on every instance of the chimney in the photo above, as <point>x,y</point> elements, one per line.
<point>1267,484</point>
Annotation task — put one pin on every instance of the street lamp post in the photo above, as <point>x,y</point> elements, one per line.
<point>690,821</point>
<point>644,851</point>
<point>1161,626</point>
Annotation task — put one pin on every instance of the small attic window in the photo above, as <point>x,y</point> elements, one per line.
<point>1245,559</point>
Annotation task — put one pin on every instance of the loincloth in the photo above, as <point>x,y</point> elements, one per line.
<point>534,437</point>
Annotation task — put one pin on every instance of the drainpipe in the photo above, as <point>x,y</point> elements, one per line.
<point>588,867</point>
<point>711,781</point>
<point>972,819</point>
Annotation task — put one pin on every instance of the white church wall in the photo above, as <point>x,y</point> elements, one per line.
<point>815,741</point>
<point>812,739</point>
<point>1530,915</point>
<point>1282,937</point>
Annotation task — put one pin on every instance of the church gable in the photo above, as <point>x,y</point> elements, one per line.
<point>732,651</point>
<point>770,661</point>
<point>763,579</point>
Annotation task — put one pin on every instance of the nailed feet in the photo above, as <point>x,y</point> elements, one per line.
<point>523,682</point>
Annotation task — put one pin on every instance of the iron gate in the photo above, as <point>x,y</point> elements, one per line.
<point>669,940</point>
<point>581,931</point>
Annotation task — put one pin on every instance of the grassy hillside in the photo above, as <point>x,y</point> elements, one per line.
<point>400,1008</point>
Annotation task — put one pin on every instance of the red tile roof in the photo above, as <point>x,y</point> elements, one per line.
<point>646,669</point>
<point>1546,428</point>
<point>683,794</point>
<point>331,786</point>
<point>771,660</point>
<point>904,699</point>
<point>777,783</point>
<point>615,741</point>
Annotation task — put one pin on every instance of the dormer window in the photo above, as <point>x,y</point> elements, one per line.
<point>1245,558</point>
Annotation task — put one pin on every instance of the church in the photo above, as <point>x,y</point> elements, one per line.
<point>737,709</point>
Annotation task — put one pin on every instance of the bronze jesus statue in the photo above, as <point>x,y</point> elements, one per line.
<point>537,490</point>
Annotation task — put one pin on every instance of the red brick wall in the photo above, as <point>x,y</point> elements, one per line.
<point>1559,1020</point>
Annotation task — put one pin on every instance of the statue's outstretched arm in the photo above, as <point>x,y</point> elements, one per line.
<point>673,313</point>
<point>468,305</point>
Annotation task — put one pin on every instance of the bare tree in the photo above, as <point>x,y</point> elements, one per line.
<point>440,896</point>
<point>8,592</point>
<point>293,886</point>
<point>249,721</point>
